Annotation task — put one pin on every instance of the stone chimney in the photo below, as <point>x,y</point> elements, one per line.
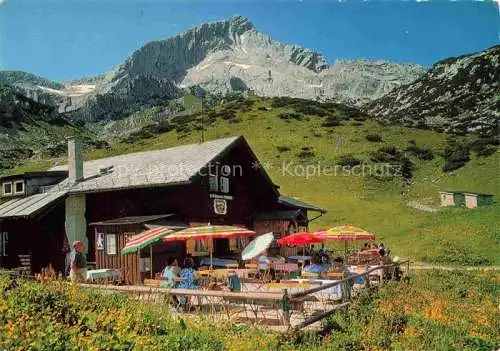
<point>75,160</point>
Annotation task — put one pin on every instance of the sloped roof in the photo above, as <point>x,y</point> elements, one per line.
<point>273,215</point>
<point>132,219</point>
<point>27,206</point>
<point>176,165</point>
<point>460,192</point>
<point>292,202</point>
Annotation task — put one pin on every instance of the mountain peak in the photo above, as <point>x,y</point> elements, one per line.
<point>240,24</point>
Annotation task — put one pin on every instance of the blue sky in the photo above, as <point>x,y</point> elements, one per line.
<point>68,39</point>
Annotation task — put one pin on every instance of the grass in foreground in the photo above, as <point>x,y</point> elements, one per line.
<point>437,311</point>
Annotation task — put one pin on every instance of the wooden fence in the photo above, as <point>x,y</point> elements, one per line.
<point>284,304</point>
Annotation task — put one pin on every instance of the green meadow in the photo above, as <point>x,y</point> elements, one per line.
<point>300,146</point>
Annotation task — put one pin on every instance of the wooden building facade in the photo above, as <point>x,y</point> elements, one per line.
<point>216,182</point>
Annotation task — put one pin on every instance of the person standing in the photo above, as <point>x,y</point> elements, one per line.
<point>381,250</point>
<point>78,263</point>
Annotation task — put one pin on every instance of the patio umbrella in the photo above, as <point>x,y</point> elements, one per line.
<point>209,232</point>
<point>257,246</point>
<point>301,239</point>
<point>344,233</point>
<point>148,238</point>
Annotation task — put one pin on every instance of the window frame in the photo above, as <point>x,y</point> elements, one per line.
<point>11,189</point>
<point>107,246</point>
<point>213,184</point>
<point>224,185</point>
<point>15,185</point>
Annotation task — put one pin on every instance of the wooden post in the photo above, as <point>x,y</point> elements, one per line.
<point>151,261</point>
<point>345,252</point>
<point>211,250</point>
<point>2,245</point>
<point>381,273</point>
<point>284,309</point>
<point>367,281</point>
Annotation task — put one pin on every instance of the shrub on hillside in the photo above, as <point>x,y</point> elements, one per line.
<point>348,161</point>
<point>290,115</point>
<point>306,152</point>
<point>311,109</point>
<point>331,121</point>
<point>374,138</point>
<point>486,151</point>
<point>390,150</point>
<point>391,155</point>
<point>282,148</point>
<point>385,154</point>
<point>485,146</point>
<point>406,167</point>
<point>456,155</point>
<point>227,114</point>
<point>420,153</point>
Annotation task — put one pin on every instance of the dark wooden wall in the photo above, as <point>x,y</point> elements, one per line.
<point>130,261</point>
<point>41,237</point>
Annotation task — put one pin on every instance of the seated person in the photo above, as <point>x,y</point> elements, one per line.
<point>365,247</point>
<point>265,267</point>
<point>338,265</point>
<point>169,273</point>
<point>315,266</point>
<point>234,282</point>
<point>187,275</point>
<point>325,262</point>
<point>264,261</point>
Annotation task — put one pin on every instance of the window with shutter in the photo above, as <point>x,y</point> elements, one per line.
<point>213,185</point>
<point>224,185</point>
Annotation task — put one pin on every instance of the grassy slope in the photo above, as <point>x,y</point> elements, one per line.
<point>452,235</point>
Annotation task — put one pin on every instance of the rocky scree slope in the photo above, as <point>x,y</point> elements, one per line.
<point>458,95</point>
<point>232,56</point>
<point>31,129</point>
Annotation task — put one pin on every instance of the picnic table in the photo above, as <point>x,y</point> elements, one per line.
<point>297,284</point>
<point>99,274</point>
<point>286,268</point>
<point>224,273</point>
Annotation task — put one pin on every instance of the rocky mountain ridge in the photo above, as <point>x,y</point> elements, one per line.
<point>225,57</point>
<point>232,56</point>
<point>458,95</point>
<point>30,129</point>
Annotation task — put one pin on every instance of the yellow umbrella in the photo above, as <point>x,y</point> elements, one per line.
<point>345,233</point>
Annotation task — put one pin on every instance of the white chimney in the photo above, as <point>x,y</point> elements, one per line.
<point>75,160</point>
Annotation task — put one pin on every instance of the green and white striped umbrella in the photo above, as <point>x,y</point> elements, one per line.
<point>145,239</point>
